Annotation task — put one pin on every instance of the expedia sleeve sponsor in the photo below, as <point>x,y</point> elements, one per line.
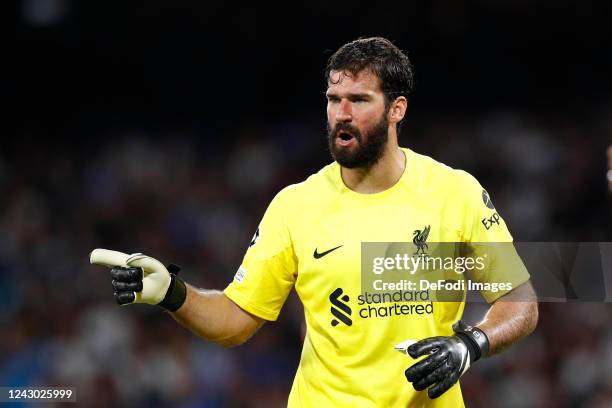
<point>487,238</point>
<point>481,221</point>
<point>267,272</point>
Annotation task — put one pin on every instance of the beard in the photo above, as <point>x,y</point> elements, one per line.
<point>369,146</point>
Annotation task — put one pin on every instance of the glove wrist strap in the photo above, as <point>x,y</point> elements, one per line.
<point>176,294</point>
<point>475,339</point>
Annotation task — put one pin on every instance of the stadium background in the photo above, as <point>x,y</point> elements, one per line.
<point>167,129</point>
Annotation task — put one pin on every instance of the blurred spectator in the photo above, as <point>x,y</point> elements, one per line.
<point>609,173</point>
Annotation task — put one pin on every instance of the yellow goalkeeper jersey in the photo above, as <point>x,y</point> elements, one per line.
<point>311,238</point>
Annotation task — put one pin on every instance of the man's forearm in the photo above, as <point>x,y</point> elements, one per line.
<point>212,315</point>
<point>510,318</point>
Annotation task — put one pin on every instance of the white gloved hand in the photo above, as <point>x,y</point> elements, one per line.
<point>138,278</point>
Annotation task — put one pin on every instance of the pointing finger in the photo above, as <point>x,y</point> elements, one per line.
<point>106,257</point>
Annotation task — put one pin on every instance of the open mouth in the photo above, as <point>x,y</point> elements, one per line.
<point>344,138</point>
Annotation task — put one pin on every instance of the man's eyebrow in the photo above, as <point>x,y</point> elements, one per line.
<point>349,95</point>
<point>360,95</point>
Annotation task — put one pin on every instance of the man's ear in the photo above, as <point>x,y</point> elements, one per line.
<point>398,109</point>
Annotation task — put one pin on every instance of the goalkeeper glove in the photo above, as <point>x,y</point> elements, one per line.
<point>138,278</point>
<point>448,358</point>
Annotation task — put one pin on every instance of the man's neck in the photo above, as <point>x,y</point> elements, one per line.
<point>379,177</point>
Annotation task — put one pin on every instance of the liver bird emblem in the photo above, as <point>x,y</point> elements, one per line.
<point>420,236</point>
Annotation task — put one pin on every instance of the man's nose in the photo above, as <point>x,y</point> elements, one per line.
<point>345,111</point>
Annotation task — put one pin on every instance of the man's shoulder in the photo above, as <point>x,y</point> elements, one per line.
<point>435,174</point>
<point>321,182</point>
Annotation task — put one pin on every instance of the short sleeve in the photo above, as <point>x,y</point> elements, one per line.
<point>487,236</point>
<point>481,222</point>
<point>268,270</point>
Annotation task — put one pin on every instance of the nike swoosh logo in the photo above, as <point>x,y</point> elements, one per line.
<point>318,255</point>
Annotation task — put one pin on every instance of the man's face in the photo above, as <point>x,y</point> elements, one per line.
<point>357,123</point>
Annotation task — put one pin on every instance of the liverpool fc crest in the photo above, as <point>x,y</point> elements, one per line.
<point>420,236</point>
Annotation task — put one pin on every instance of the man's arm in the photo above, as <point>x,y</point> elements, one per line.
<point>138,278</point>
<point>510,318</point>
<point>213,316</point>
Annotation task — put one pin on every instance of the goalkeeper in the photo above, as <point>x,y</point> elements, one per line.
<point>310,238</point>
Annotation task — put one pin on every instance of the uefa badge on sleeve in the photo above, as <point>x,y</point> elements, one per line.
<point>240,274</point>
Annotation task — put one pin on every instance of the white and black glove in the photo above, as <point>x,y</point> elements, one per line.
<point>138,278</point>
<point>449,357</point>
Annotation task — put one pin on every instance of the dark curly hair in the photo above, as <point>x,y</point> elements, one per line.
<point>382,58</point>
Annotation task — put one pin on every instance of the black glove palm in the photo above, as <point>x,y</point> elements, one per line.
<point>449,358</point>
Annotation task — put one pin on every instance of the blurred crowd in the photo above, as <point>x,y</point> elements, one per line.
<point>194,196</point>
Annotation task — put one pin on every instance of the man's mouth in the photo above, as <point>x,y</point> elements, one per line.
<point>344,138</point>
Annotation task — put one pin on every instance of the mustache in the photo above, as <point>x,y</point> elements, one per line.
<point>345,127</point>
